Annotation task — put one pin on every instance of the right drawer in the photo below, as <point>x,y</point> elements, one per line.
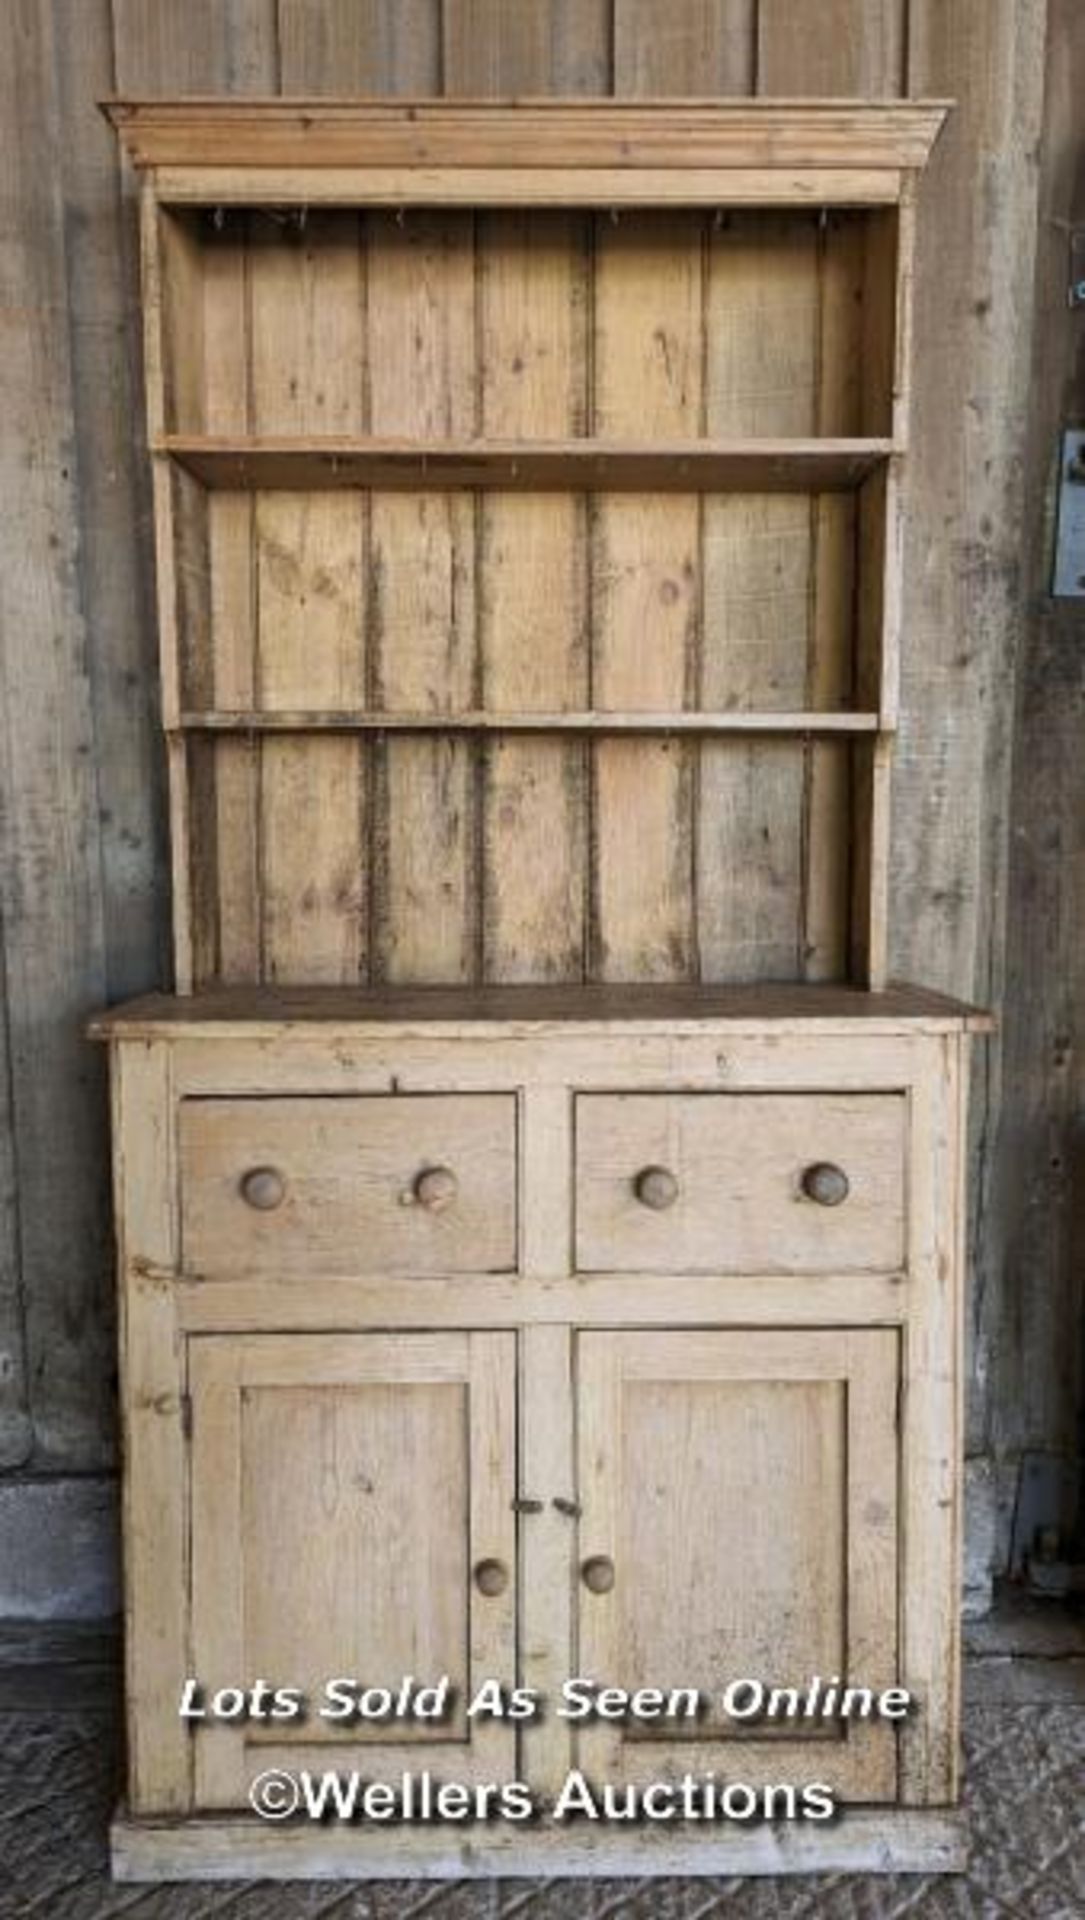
<point>740,1183</point>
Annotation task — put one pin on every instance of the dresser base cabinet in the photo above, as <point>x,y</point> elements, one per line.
<point>468,1340</point>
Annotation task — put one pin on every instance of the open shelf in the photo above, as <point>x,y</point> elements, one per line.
<point>529,579</point>
<point>530,466</point>
<point>346,844</point>
<point>480,721</point>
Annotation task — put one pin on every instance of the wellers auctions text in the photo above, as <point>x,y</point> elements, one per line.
<point>422,1799</point>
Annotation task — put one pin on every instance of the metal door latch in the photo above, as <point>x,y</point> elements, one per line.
<point>1069,580</point>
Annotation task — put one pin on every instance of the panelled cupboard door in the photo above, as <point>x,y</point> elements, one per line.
<point>739,1520</point>
<point>352,1516</point>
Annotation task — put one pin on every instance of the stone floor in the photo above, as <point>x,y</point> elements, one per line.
<point>1025,1756</point>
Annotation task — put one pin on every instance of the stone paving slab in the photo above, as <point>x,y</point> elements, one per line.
<point>1026,1798</point>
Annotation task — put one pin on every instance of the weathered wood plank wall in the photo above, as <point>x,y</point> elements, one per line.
<point>83,883</point>
<point>1033,1325</point>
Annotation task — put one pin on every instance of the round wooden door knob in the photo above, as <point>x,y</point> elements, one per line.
<point>598,1573</point>
<point>826,1184</point>
<point>656,1187</point>
<point>491,1578</point>
<point>263,1188</point>
<point>436,1189</point>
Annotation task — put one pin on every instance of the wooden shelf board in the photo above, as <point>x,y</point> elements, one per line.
<point>259,1012</point>
<point>677,136</point>
<point>480,721</point>
<point>769,466</point>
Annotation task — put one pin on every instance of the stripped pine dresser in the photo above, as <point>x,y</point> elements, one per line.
<point>540,1221</point>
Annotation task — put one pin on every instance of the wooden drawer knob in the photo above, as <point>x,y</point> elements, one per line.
<point>436,1189</point>
<point>491,1578</point>
<point>263,1188</point>
<point>826,1184</point>
<point>598,1573</point>
<point>656,1187</point>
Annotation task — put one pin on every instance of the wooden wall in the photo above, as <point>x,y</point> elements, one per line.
<point>82,889</point>
<point>1033,1323</point>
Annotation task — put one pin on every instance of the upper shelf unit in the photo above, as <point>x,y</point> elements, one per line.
<point>528,500</point>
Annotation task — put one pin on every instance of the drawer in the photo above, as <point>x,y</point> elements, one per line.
<point>397,1183</point>
<point>739,1183</point>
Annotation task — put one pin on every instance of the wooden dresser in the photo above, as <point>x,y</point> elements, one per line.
<point>540,1225</point>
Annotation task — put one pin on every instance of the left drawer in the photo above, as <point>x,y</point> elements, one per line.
<point>392,1183</point>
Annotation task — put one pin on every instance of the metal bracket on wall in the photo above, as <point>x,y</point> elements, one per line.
<point>1069,580</point>
<point>1077,267</point>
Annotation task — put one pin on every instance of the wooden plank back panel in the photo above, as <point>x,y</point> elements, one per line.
<point>761,331</point>
<point>829,804</point>
<point>799,313</point>
<point>848,389</point>
<point>647,377</point>
<point>174,295</point>
<point>422,381</point>
<point>305,355</point>
<point>533,352</point>
<point>234,765</point>
<point>762,377</point>
<point>439,859</point>
<point>232,947</point>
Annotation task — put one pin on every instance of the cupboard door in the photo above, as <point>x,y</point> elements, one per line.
<point>352,1515</point>
<point>738,1495</point>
